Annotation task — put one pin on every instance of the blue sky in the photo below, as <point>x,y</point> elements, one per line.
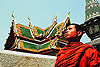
<point>41,13</point>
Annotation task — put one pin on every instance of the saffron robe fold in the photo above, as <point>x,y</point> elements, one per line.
<point>77,54</point>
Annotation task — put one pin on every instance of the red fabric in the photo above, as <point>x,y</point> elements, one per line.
<point>77,54</point>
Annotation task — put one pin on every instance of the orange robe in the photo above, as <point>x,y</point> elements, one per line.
<point>77,54</point>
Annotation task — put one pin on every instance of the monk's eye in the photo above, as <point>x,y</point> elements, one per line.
<point>70,28</point>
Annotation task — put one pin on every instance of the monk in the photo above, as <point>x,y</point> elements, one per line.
<point>75,53</point>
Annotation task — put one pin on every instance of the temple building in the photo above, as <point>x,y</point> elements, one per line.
<point>34,39</point>
<point>92,22</point>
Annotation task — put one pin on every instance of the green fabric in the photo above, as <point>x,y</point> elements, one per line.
<point>26,32</point>
<point>44,45</point>
<point>30,46</point>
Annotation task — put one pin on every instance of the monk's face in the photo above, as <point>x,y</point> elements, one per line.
<point>71,33</point>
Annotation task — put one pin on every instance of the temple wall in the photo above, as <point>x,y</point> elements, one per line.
<point>20,59</point>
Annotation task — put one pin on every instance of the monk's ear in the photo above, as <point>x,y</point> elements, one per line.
<point>80,33</point>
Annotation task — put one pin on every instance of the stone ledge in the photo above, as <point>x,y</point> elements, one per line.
<point>20,59</point>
